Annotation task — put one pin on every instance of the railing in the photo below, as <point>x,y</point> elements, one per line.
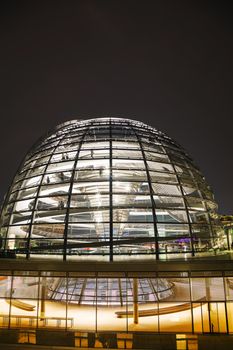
<point>33,321</point>
<point>161,311</point>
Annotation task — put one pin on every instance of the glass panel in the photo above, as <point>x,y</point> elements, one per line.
<point>21,218</point>
<point>48,230</point>
<point>168,202</point>
<point>84,318</point>
<point>94,153</point>
<point>111,298</point>
<point>18,232</point>
<point>163,177</point>
<point>125,145</point>
<point>132,215</point>
<point>88,231</point>
<point>201,231</point>
<point>54,190</point>
<point>59,177</point>
<point>17,242</point>
<point>154,166</point>
<point>197,317</point>
<point>136,175</point>
<point>195,204</point>
<point>209,288</point>
<point>36,171</point>
<point>24,205</point>
<point>229,287</point>
<point>230,316</point>
<point>166,189</point>
<point>31,182</point>
<point>137,200</point>
<point>125,164</point>
<point>5,287</point>
<point>175,246</point>
<point>53,315</point>
<point>175,321</point>
<point>51,203</point>
<point>198,217</point>
<point>218,318</point>
<point>63,166</point>
<point>94,175</point>
<point>177,216</point>
<point>157,157</point>
<point>51,217</point>
<point>42,247</point>
<point>86,188</point>
<point>205,318</point>
<point>100,164</point>
<point>89,200</point>
<point>25,287</point>
<point>93,145</point>
<point>95,216</point>
<point>126,153</point>
<point>130,187</point>
<point>87,244</point>
<point>63,156</point>
<point>172,230</point>
<point>29,193</point>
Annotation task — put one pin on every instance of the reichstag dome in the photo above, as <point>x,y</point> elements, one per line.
<point>108,189</point>
<point>109,238</point>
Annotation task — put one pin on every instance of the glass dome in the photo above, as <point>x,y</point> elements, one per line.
<point>111,189</point>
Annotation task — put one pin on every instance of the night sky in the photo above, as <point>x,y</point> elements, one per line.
<point>166,63</point>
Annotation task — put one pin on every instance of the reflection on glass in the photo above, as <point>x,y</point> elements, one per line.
<point>109,187</point>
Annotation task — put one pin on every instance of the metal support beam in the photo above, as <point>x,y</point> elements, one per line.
<point>43,296</point>
<point>135,300</point>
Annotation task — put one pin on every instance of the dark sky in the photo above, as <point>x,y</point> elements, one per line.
<point>166,63</point>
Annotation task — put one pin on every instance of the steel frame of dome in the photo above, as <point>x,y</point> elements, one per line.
<point>124,159</point>
<point>45,301</point>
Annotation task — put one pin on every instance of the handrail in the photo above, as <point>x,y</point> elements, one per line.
<point>161,311</point>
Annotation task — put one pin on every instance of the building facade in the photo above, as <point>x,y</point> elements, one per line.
<point>110,238</point>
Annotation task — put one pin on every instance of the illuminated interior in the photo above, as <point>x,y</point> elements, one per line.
<point>106,228</point>
<point>191,303</point>
<point>109,189</point>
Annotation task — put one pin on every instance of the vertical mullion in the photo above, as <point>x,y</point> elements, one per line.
<point>110,194</point>
<point>183,197</point>
<point>151,193</point>
<point>204,202</point>
<point>10,296</point>
<point>70,191</point>
<point>37,194</point>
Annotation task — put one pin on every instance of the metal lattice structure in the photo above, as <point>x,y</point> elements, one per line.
<point>108,188</point>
